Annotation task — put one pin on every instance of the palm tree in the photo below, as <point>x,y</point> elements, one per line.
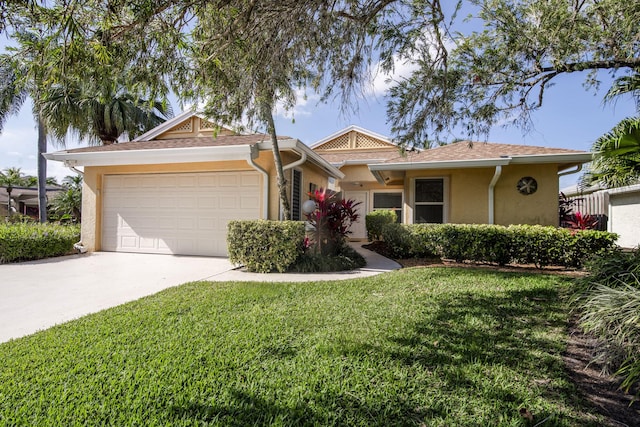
<point>100,113</point>
<point>22,75</point>
<point>69,202</point>
<point>617,160</point>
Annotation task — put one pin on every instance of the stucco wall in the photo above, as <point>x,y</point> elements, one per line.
<point>624,218</point>
<point>511,207</point>
<point>468,195</point>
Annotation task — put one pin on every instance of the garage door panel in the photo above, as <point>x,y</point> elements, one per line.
<point>176,213</point>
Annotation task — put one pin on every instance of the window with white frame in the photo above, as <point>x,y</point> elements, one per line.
<point>389,201</point>
<point>429,200</point>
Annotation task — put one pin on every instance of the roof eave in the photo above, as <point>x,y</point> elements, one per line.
<point>298,146</point>
<point>441,164</point>
<point>568,158</point>
<point>152,156</point>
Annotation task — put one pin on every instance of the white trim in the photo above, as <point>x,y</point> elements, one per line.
<point>152,156</point>
<point>299,147</point>
<point>552,158</point>
<point>357,129</point>
<point>622,190</point>
<point>171,123</point>
<point>165,126</point>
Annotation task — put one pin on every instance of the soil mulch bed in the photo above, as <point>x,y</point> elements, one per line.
<point>601,391</point>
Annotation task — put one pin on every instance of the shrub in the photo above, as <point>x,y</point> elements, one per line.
<point>375,220</point>
<point>398,239</point>
<point>345,259</point>
<point>522,244</point>
<point>265,246</point>
<point>608,300</point>
<point>29,241</point>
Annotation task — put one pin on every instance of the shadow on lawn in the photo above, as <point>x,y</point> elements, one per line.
<point>343,409</point>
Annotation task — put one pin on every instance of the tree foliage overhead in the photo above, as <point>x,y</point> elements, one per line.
<point>501,73</point>
<point>236,55</point>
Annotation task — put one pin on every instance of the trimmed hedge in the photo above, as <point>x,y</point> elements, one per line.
<point>264,246</point>
<point>29,241</point>
<point>517,244</point>
<point>374,221</point>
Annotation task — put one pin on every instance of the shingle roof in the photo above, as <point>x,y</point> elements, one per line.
<point>337,157</point>
<point>220,141</point>
<point>464,150</point>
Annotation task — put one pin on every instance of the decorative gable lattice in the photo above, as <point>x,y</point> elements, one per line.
<point>206,124</point>
<point>339,143</point>
<point>186,126</point>
<point>366,141</point>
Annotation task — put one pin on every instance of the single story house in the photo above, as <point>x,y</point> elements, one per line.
<point>174,189</point>
<point>463,182</point>
<point>24,200</point>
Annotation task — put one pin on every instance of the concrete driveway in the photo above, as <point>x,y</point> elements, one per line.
<point>39,294</point>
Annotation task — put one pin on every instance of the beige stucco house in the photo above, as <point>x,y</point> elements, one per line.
<point>174,189</point>
<point>479,183</point>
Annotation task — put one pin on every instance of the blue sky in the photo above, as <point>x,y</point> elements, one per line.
<point>571,117</point>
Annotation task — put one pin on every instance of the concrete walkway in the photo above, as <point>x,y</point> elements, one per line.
<point>376,264</point>
<point>36,295</point>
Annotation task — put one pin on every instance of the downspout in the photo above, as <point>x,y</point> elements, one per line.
<point>492,185</point>
<point>577,169</point>
<point>77,246</point>
<point>265,181</point>
<point>301,160</point>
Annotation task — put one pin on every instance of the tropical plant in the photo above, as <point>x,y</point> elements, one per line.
<point>580,221</point>
<point>67,205</point>
<point>330,221</point>
<point>608,300</point>
<point>13,177</point>
<point>617,160</point>
<point>22,75</point>
<point>100,114</point>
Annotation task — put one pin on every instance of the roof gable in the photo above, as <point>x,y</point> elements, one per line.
<point>188,124</point>
<point>353,138</point>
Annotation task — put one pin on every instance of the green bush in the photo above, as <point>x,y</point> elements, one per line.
<point>375,220</point>
<point>345,259</point>
<point>608,300</point>
<point>521,244</point>
<point>29,241</point>
<point>265,246</point>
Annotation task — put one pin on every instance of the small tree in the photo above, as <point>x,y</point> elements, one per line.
<point>331,221</point>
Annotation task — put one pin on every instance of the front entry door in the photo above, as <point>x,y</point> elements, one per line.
<point>359,229</point>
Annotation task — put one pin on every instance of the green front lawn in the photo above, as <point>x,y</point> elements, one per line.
<point>438,346</point>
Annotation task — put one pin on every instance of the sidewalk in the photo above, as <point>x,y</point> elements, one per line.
<point>376,264</point>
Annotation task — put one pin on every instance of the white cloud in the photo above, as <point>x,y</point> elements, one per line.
<point>304,104</point>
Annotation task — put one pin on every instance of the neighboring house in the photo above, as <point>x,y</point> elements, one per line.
<point>175,188</point>
<point>479,183</point>
<point>24,199</point>
<point>620,208</point>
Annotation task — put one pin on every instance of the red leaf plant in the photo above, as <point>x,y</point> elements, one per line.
<point>580,221</point>
<point>331,220</point>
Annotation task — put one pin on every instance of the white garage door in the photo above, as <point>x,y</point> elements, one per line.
<point>184,213</point>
